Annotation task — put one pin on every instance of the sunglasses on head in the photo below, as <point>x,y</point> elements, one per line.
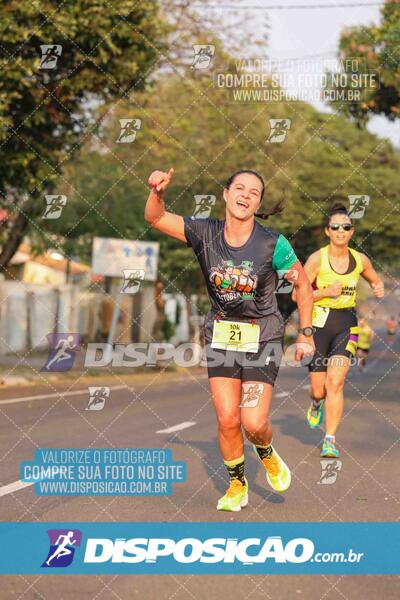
<point>337,226</point>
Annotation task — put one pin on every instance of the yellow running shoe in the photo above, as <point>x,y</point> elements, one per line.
<point>277,472</point>
<point>236,497</point>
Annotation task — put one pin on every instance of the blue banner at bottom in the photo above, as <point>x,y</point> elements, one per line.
<point>199,548</point>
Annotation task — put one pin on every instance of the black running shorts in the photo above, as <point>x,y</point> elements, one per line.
<point>338,337</point>
<point>261,366</point>
<point>365,350</point>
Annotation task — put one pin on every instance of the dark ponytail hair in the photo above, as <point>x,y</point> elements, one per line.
<point>277,208</point>
<point>337,209</point>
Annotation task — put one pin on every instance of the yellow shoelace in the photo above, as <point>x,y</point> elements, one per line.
<point>235,486</point>
<point>272,465</point>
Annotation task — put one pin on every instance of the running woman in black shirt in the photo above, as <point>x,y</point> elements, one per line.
<point>239,259</point>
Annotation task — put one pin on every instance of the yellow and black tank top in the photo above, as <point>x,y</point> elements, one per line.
<point>327,276</point>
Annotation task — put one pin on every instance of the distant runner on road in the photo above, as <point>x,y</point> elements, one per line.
<point>391,326</point>
<point>365,337</point>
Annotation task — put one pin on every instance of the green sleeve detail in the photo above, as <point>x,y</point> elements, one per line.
<point>284,255</point>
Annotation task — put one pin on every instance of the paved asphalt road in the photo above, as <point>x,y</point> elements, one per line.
<point>367,488</point>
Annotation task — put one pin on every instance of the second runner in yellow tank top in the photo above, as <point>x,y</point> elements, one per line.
<point>334,271</point>
<point>327,277</point>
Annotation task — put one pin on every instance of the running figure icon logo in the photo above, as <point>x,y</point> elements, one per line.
<point>203,54</point>
<point>286,278</point>
<point>54,206</point>
<point>62,547</point>
<point>132,280</point>
<point>50,55</point>
<point>129,128</point>
<point>204,204</point>
<point>97,397</point>
<point>251,394</point>
<point>278,130</point>
<point>62,352</point>
<point>358,206</point>
<point>329,471</point>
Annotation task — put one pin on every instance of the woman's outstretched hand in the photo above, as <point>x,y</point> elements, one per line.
<point>159,180</point>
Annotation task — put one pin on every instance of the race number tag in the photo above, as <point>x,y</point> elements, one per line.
<point>319,315</point>
<point>231,335</point>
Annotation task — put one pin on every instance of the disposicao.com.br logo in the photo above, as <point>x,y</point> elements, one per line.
<point>212,550</point>
<point>200,548</point>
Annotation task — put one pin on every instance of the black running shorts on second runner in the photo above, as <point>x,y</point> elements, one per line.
<point>261,366</point>
<point>338,337</point>
<point>365,350</point>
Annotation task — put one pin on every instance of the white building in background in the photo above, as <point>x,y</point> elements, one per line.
<point>49,268</point>
<point>46,293</point>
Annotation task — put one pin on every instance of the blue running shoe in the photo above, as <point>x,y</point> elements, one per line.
<point>329,449</point>
<point>315,414</point>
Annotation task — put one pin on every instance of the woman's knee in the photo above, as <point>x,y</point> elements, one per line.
<point>254,427</point>
<point>334,383</point>
<point>229,422</point>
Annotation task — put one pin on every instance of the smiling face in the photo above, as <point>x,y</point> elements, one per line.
<point>339,237</point>
<point>243,198</point>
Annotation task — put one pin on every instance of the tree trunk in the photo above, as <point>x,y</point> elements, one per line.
<point>17,232</point>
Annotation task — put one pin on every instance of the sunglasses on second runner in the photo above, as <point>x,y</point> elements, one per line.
<point>337,226</point>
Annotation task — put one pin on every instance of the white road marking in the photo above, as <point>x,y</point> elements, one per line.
<point>282,395</point>
<point>178,427</point>
<point>305,387</point>
<point>14,487</point>
<point>42,396</point>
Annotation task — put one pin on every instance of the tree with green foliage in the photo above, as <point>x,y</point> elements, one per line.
<point>190,123</point>
<point>323,160</point>
<point>376,50</point>
<point>58,67</point>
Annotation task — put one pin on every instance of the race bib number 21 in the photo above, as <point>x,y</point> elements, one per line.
<point>233,335</point>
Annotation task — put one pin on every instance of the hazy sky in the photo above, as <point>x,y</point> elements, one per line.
<point>301,33</point>
<point>304,32</point>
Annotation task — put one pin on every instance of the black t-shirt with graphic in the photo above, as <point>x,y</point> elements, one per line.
<point>241,281</point>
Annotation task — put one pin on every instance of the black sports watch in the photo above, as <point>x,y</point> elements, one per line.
<point>307,331</point>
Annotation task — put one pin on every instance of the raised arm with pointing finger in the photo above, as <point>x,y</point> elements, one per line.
<point>155,213</point>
